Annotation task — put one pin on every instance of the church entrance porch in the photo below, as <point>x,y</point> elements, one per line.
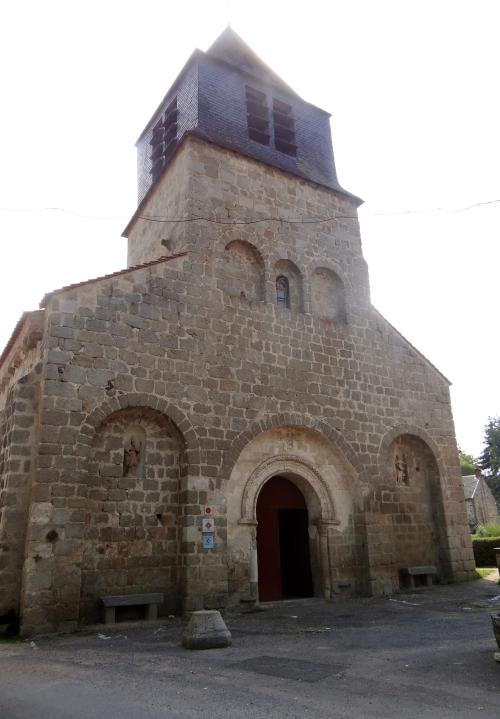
<point>286,536</point>
<point>283,556</point>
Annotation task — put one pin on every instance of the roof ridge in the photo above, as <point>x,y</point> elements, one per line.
<point>118,273</point>
<point>420,354</point>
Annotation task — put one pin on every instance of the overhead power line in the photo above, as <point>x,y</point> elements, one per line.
<point>246,221</point>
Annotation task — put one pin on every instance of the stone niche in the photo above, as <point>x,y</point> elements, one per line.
<point>413,497</point>
<point>327,295</point>
<point>132,534</point>
<point>242,271</point>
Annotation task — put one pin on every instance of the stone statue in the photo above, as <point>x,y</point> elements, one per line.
<point>402,474</point>
<point>131,459</point>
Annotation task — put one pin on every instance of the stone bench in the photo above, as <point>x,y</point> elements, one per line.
<point>150,601</point>
<point>426,573</point>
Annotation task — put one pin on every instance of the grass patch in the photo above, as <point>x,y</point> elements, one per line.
<point>484,571</point>
<point>492,529</point>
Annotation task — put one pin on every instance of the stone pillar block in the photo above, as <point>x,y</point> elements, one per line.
<point>206,630</point>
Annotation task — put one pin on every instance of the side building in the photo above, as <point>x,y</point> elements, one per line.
<point>235,367</point>
<point>480,503</point>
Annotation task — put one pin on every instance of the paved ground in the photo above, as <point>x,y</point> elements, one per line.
<point>425,654</point>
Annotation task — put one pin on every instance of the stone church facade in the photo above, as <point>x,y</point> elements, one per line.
<point>235,370</point>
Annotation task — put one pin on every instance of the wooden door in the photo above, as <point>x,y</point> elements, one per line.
<point>282,542</point>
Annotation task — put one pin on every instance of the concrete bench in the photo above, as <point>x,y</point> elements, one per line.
<point>150,601</point>
<point>426,573</point>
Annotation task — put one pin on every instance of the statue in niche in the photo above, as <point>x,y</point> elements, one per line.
<point>401,466</point>
<point>131,459</point>
<point>288,439</point>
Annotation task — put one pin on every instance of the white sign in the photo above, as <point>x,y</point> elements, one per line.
<point>207,525</point>
<point>208,510</point>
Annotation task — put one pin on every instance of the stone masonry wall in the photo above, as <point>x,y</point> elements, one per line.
<point>18,428</point>
<point>224,369</point>
<point>132,539</point>
<point>170,199</point>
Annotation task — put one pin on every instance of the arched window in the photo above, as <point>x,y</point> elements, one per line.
<point>282,291</point>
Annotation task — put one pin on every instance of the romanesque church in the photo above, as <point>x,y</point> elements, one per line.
<point>228,419</point>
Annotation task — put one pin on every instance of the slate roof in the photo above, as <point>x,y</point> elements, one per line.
<point>209,97</point>
<point>232,49</point>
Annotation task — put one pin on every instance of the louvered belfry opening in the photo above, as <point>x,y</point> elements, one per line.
<point>284,128</point>
<point>257,115</point>
<point>163,139</point>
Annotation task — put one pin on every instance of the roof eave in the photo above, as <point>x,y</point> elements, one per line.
<point>338,189</point>
<point>195,55</point>
<point>166,258</point>
<point>17,331</point>
<point>422,356</point>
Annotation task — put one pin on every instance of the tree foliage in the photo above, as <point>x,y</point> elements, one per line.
<point>489,461</point>
<point>467,463</point>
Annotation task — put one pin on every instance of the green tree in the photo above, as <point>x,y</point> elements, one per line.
<point>467,463</point>
<point>489,461</point>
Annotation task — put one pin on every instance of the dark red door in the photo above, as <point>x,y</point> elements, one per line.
<point>282,542</point>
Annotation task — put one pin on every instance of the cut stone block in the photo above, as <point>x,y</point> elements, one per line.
<point>206,630</point>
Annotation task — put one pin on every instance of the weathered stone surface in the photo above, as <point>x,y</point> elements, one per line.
<point>221,389</point>
<point>206,630</point>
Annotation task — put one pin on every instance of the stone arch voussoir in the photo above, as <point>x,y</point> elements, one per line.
<point>285,465</point>
<point>409,429</point>
<point>136,399</point>
<point>287,420</point>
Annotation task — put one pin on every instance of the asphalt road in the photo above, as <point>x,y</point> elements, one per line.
<point>425,654</point>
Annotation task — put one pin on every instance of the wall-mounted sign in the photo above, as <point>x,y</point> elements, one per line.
<point>208,541</point>
<point>207,525</point>
<point>208,510</point>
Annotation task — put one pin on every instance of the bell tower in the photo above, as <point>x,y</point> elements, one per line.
<point>229,98</point>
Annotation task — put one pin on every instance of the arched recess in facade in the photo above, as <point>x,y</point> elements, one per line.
<point>414,485</point>
<point>135,470</point>
<point>333,495</point>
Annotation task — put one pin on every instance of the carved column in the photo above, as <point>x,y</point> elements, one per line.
<point>254,567</point>
<point>324,558</point>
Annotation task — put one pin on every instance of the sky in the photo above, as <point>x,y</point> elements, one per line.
<point>413,92</point>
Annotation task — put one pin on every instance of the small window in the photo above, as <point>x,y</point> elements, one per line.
<point>284,128</point>
<point>282,291</point>
<point>163,139</point>
<point>257,115</point>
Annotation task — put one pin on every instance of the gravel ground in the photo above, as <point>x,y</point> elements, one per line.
<point>422,654</point>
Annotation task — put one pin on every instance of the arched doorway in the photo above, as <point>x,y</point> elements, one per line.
<point>283,557</point>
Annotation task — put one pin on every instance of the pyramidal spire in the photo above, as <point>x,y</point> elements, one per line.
<point>232,49</point>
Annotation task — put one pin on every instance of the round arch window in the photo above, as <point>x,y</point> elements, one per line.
<point>282,291</point>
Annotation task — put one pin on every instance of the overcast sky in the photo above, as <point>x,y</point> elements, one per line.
<point>413,92</point>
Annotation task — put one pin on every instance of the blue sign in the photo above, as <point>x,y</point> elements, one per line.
<point>208,541</point>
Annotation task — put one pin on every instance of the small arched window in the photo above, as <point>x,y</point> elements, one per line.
<point>282,291</point>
